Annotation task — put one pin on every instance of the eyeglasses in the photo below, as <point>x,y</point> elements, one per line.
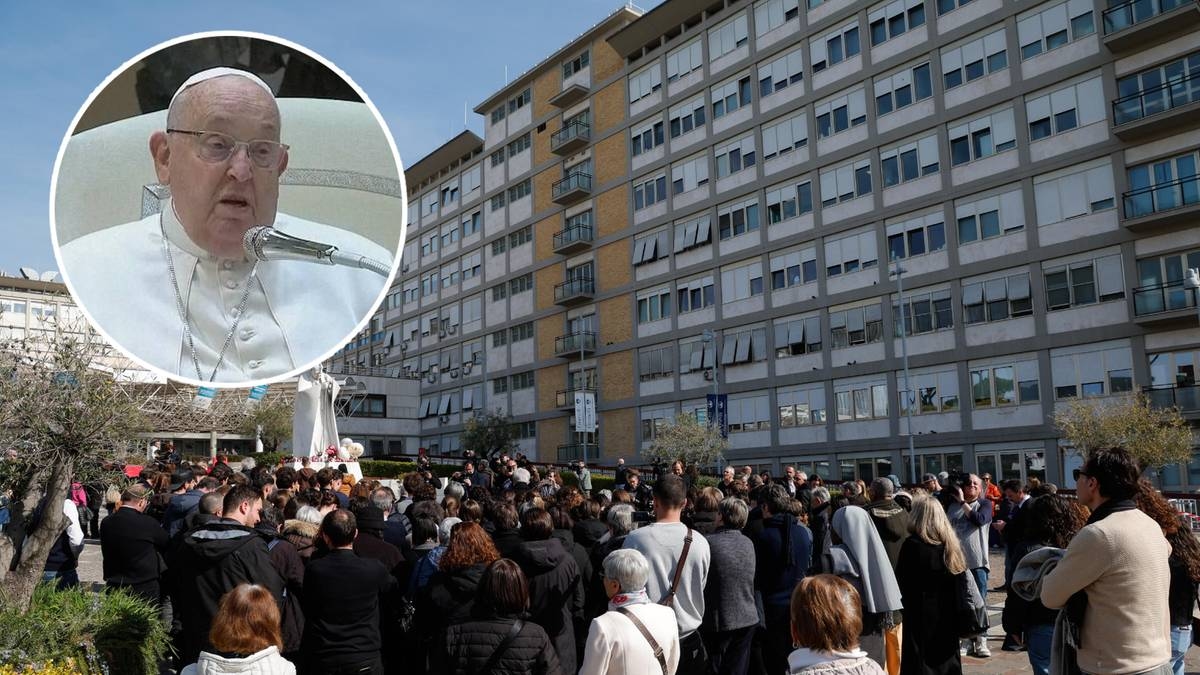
<point>216,147</point>
<point>1077,473</point>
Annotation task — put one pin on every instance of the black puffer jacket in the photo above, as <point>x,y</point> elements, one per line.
<point>555,591</point>
<point>469,645</point>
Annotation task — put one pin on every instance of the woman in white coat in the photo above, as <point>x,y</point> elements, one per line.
<point>245,637</point>
<point>635,636</point>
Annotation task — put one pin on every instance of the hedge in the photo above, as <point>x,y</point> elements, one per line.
<point>376,468</point>
<point>598,482</point>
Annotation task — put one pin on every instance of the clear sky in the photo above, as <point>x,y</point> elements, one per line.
<point>418,61</point>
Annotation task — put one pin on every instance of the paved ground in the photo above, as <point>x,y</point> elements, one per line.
<point>1001,662</point>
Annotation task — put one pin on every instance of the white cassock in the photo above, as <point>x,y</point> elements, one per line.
<point>295,313</point>
<point>314,424</point>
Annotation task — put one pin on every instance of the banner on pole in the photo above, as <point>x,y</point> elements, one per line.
<point>204,398</point>
<point>585,412</point>
<point>718,410</point>
<point>255,397</point>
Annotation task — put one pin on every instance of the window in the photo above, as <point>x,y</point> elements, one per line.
<point>686,117</point>
<point>522,331</point>
<point>497,157</point>
<point>835,47</point>
<point>500,338</point>
<point>1054,27</point>
<point>500,385</point>
<point>696,355</point>
<point>689,174</point>
<point>1093,373</point>
<point>471,223</point>
<point>520,237</point>
<point>499,292</point>
<point>783,136</point>
<point>1152,91</point>
<point>846,182</point>
<point>856,326</point>
<point>998,386</point>
<point>520,190</point>
<point>651,247</point>
<point>745,345</point>
<point>646,138</point>
<point>429,203</point>
<point>931,392</point>
<point>772,14</point>
<point>851,254</point>
<point>448,195</point>
<point>971,61</point>
<point>411,293</point>
<point>734,156</point>
<point>449,235</point>
<point>695,294</point>
<point>519,101</point>
<point>576,64</point>
<point>684,60</point>
<point>837,114</point>
<point>729,96</point>
<point>1084,283</point>
<point>793,268</point>
<point>471,265</point>
<point>499,245</point>
<point>778,74</point>
<point>645,82</point>
<point>520,284</point>
<point>429,284</point>
<point>727,37</point>
<point>982,137</point>
<point>924,312</point>
<point>788,201</point>
<point>429,244</point>
<point>1060,111</point>
<point>749,412</point>
<point>655,420</point>
<point>656,362</point>
<point>800,406</point>
<point>902,89</point>
<point>524,430</point>
<point>737,218</point>
<point>1162,185</point>
<point>519,145</point>
<point>989,217</point>
<point>997,299</point>
<point>521,381</point>
<point>470,180</point>
<point>472,311</point>
<point>797,336</point>
<point>498,114</point>
<point>946,6</point>
<point>450,275</point>
<point>497,202</point>
<point>649,192</point>
<point>740,283</point>
<point>654,306</point>
<point>909,161</point>
<point>916,235</point>
<point>1073,192</point>
<point>895,19</point>
<point>693,232</point>
<point>861,402</point>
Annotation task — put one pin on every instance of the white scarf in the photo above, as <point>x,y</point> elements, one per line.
<point>625,598</point>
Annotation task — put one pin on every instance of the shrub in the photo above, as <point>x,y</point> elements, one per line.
<point>598,482</point>
<point>376,468</point>
<point>77,631</point>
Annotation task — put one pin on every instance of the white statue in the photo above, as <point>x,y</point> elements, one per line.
<point>314,425</point>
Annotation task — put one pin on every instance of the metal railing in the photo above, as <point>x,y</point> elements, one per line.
<point>570,452</point>
<point>1168,297</point>
<point>1182,396</point>
<point>574,287</point>
<point>576,180</point>
<point>566,397</point>
<point>575,342</point>
<point>572,234</point>
<point>572,130</point>
<point>1148,102</point>
<point>1162,197</point>
<point>1130,13</point>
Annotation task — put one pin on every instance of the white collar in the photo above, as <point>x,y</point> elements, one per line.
<point>805,657</point>
<point>177,235</point>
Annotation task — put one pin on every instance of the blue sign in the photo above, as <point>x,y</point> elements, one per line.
<point>257,393</point>
<point>718,409</point>
<point>207,392</point>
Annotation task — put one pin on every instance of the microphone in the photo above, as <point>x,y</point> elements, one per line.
<point>267,243</point>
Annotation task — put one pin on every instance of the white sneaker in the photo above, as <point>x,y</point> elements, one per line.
<point>981,649</point>
<point>962,647</point>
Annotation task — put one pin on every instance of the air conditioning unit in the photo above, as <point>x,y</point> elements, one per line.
<point>404,268</point>
<point>441,333</point>
<point>432,378</point>
<point>708,375</point>
<point>453,330</point>
<point>404,346</point>
<point>443,419</point>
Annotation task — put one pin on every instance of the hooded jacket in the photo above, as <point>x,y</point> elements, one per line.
<point>264,662</point>
<point>447,600</point>
<point>555,591</point>
<point>891,521</point>
<point>301,534</point>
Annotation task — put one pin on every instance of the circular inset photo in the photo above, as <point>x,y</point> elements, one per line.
<point>228,209</point>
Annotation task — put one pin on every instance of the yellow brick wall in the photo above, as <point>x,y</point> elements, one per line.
<point>543,236</point>
<point>549,380</point>
<point>618,434</point>
<point>550,434</point>
<point>545,331</point>
<point>616,376</point>
<point>615,320</point>
<point>613,268</point>
<point>541,141</point>
<point>612,211</point>
<point>544,281</point>
<point>605,61</point>
<point>609,158</point>
<point>608,107</point>
<point>545,87</point>
<point>542,185</point>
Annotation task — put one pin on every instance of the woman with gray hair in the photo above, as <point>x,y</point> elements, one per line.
<point>730,615</point>
<point>635,636</point>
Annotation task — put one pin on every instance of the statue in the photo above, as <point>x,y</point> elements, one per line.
<point>314,425</point>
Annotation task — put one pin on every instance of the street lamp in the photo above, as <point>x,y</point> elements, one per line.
<point>898,272</point>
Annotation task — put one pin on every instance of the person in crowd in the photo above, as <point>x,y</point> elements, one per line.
<point>301,531</point>
<point>825,625</point>
<point>133,546</point>
<point>1120,562</point>
<point>704,515</point>
<point>930,560</point>
<point>589,528</point>
<point>1050,521</point>
<point>620,523</point>
<point>449,597</point>
<point>555,586</point>
<point>1010,527</point>
<point>621,475</point>
<point>424,570</point>
<point>245,636</point>
<point>185,496</point>
<point>819,515</point>
<point>343,596</point>
<point>890,519</point>
<point>370,543</point>
<point>783,554</point>
<point>730,613</point>
<point>290,566</point>
<point>641,493</point>
<point>854,493</point>
<point>1184,564</point>
<point>507,534</point>
<point>929,482</point>
<point>860,557</point>
<point>636,636</point>
<point>425,540</point>
<point>970,515</point>
<point>497,638</point>
<point>585,477</point>
<point>329,479</point>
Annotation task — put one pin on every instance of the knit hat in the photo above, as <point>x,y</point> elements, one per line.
<point>370,518</point>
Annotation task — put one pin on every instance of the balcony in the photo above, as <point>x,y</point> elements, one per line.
<point>574,291</point>
<point>573,137</point>
<point>574,238</point>
<point>1168,303</point>
<point>1186,397</point>
<point>575,344</point>
<point>1157,110</point>
<point>577,185</point>
<point>565,399</point>
<point>569,96</point>
<point>588,452</point>
<point>1163,204</point>
<point>1136,23</point>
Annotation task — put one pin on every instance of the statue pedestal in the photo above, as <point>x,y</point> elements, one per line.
<point>352,467</point>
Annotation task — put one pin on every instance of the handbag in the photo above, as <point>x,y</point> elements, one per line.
<point>972,618</point>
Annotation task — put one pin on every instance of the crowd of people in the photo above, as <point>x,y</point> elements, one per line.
<point>503,569</point>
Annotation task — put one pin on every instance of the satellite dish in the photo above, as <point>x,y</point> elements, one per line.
<point>29,273</point>
<point>49,276</point>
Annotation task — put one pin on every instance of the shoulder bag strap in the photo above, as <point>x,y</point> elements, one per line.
<point>669,601</point>
<point>491,662</point>
<point>654,646</point>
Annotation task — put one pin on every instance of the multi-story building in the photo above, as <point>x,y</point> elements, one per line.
<point>759,170</point>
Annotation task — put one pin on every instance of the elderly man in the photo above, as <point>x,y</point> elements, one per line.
<point>970,514</point>
<point>203,310</point>
<point>132,545</point>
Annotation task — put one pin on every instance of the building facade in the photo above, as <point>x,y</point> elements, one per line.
<point>759,170</point>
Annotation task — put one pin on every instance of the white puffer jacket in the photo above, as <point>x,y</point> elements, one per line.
<point>265,662</point>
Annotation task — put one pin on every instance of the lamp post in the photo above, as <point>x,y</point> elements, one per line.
<point>912,453</point>
<point>710,337</point>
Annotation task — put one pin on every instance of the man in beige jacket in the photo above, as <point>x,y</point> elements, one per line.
<point>1119,560</point>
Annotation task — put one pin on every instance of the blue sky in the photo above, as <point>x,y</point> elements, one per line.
<point>418,61</point>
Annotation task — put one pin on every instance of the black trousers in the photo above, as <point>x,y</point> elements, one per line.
<point>371,666</point>
<point>729,650</point>
<point>692,656</point>
<point>777,642</point>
